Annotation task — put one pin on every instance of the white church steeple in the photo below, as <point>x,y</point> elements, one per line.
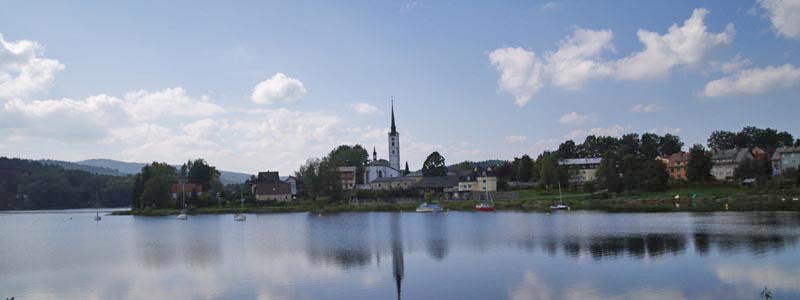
<point>394,144</point>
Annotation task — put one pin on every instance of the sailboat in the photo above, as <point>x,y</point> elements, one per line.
<point>560,205</point>
<point>97,217</point>
<point>183,215</point>
<point>240,216</point>
<point>483,206</point>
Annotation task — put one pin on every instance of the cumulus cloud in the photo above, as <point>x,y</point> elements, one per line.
<point>520,73</point>
<point>22,69</point>
<point>753,81</point>
<point>665,130</point>
<point>784,16</point>
<point>65,119</point>
<point>574,119</point>
<point>578,58</point>
<point>364,108</point>
<point>515,139</point>
<point>580,135</point>
<point>278,89</point>
<point>685,45</point>
<point>645,108</point>
<point>144,105</point>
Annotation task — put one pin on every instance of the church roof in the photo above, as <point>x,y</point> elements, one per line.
<point>380,162</point>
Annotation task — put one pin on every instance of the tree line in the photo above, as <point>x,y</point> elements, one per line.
<point>26,185</point>
<point>151,187</point>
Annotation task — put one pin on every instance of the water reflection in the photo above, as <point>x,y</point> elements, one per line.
<point>500,255</point>
<point>398,266</point>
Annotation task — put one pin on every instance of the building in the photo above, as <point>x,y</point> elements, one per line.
<point>478,181</point>
<point>381,168</point>
<point>269,187</point>
<point>785,158</point>
<point>393,183</point>
<point>347,177</point>
<point>295,185</point>
<point>581,170</point>
<point>676,165</point>
<point>188,190</point>
<point>725,161</point>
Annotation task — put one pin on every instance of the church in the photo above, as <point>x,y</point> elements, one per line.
<point>381,168</point>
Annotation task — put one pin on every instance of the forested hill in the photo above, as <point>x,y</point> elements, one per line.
<point>26,184</point>
<point>226,177</point>
<point>83,167</point>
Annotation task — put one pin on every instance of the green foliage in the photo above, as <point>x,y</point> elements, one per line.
<point>200,172</point>
<point>750,137</point>
<point>152,186</point>
<point>567,149</point>
<point>434,165</point>
<point>670,144</point>
<point>753,168</point>
<point>321,176</point>
<point>522,168</point>
<point>699,166</point>
<point>26,184</point>
<point>550,173</point>
<point>350,156</point>
<point>654,176</point>
<point>608,173</point>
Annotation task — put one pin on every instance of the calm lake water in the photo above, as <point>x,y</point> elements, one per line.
<point>462,255</point>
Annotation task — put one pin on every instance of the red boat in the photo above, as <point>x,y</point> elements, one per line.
<point>484,207</point>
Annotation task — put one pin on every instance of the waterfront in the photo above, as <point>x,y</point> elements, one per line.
<point>461,255</point>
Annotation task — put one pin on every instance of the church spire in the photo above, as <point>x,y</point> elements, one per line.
<point>394,129</point>
<point>374,154</point>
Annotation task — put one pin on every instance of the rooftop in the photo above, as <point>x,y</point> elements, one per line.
<point>580,161</point>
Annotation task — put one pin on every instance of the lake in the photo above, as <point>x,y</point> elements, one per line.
<point>460,255</point>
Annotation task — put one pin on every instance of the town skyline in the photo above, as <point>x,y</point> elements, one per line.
<point>253,100</point>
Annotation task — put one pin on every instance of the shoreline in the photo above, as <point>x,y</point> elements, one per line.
<point>614,205</point>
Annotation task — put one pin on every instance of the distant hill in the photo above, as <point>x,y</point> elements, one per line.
<point>225,177</point>
<point>88,168</point>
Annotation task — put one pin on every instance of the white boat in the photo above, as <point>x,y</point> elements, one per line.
<point>183,215</point>
<point>559,207</point>
<point>240,216</point>
<point>433,208</point>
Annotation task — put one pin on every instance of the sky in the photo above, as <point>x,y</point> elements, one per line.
<point>254,86</point>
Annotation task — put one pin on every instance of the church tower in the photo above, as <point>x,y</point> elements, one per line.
<point>394,144</point>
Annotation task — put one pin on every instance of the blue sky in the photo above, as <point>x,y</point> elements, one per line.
<point>474,80</point>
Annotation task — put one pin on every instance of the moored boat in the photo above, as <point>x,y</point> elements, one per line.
<point>426,207</point>
<point>484,207</point>
<point>559,207</point>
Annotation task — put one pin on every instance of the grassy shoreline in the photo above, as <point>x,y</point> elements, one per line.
<point>708,202</point>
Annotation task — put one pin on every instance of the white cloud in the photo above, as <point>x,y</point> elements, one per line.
<point>65,119</point>
<point>578,58</point>
<point>771,275</point>
<point>574,119</point>
<point>685,45</point>
<point>514,139</point>
<point>580,135</point>
<point>549,5</point>
<point>278,89</point>
<point>753,81</point>
<point>520,73</point>
<point>23,71</point>
<point>645,108</point>
<point>665,130</point>
<point>144,105</point>
<point>784,15</point>
<point>364,108</point>
<point>736,64</point>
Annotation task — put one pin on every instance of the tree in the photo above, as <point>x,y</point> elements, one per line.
<point>309,174</point>
<point>200,172</point>
<point>608,173</point>
<point>630,172</point>
<point>351,156</point>
<point>650,143</point>
<point>152,186</point>
<point>630,144</point>
<point>797,143</point>
<point>698,169</point>
<point>670,144</point>
<point>654,176</point>
<point>523,167</point>
<point>567,150</point>
<point>406,171</point>
<point>721,140</point>
<point>434,165</point>
<point>550,173</point>
<point>753,168</point>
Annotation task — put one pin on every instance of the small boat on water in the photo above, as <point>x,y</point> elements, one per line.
<point>426,207</point>
<point>183,215</point>
<point>484,207</point>
<point>559,207</point>
<point>240,217</point>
